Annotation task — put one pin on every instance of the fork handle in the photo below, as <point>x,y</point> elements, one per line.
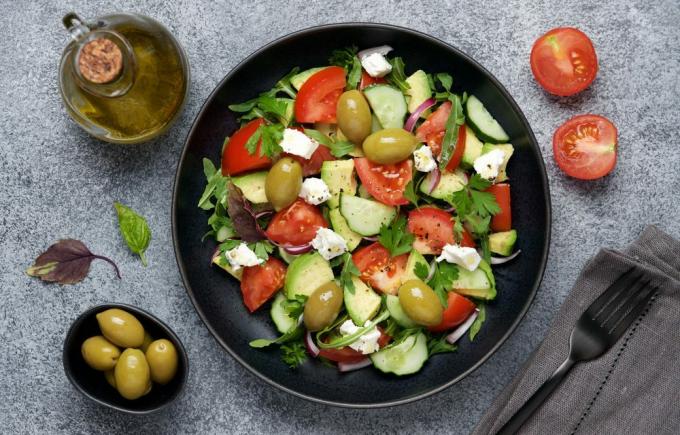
<point>527,410</point>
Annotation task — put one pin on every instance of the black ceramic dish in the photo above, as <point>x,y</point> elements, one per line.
<point>91,382</point>
<point>216,296</point>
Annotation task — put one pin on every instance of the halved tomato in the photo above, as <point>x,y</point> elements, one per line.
<point>458,309</point>
<point>318,97</point>
<point>433,228</point>
<point>296,224</point>
<point>585,146</point>
<point>432,132</point>
<point>385,183</point>
<point>259,283</point>
<point>236,158</point>
<point>367,80</point>
<point>378,269</point>
<point>312,166</point>
<point>563,61</point>
<point>503,220</point>
<point>347,354</point>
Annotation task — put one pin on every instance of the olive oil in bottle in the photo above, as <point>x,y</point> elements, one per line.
<point>123,78</point>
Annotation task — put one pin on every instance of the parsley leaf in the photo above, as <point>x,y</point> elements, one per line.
<point>477,324</point>
<point>295,307</point>
<point>442,280</point>
<point>453,123</point>
<point>397,77</point>
<point>348,59</point>
<point>439,345</point>
<point>475,207</point>
<point>271,136</point>
<point>478,183</point>
<point>261,248</point>
<point>293,353</point>
<point>349,270</point>
<point>484,203</point>
<point>395,237</point>
<point>421,270</point>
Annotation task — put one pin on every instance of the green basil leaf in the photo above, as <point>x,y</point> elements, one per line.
<point>134,230</point>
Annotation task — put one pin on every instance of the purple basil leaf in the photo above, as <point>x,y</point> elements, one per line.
<point>242,216</point>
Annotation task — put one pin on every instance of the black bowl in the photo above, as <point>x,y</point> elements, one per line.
<point>91,382</point>
<point>217,298</point>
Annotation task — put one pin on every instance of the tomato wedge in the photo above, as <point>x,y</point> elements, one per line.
<point>457,311</point>
<point>585,146</point>
<point>563,61</point>
<point>503,220</point>
<point>236,158</point>
<point>378,269</point>
<point>296,224</point>
<point>312,166</point>
<point>259,283</point>
<point>347,354</point>
<point>432,132</point>
<point>385,183</point>
<point>433,228</point>
<point>367,80</point>
<point>318,97</point>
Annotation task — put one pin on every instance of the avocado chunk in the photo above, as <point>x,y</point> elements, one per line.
<point>419,91</point>
<point>414,258</point>
<point>479,283</point>
<point>307,273</point>
<point>339,176</point>
<point>340,226</point>
<point>223,264</point>
<point>507,149</point>
<point>397,312</point>
<point>363,304</point>
<point>473,148</point>
<point>503,242</point>
<point>252,186</point>
<point>300,78</point>
<point>449,183</point>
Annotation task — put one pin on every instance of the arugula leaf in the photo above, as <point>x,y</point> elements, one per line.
<point>442,280</point>
<point>293,354</point>
<point>439,345</point>
<point>453,123</point>
<point>288,336</point>
<point>422,271</point>
<point>267,104</point>
<point>271,136</point>
<point>348,59</point>
<point>446,80</point>
<point>284,85</point>
<point>410,193</point>
<point>397,77</point>
<point>134,230</point>
<point>477,324</point>
<point>339,148</point>
<point>349,270</point>
<point>319,137</point>
<point>216,184</point>
<point>395,237</point>
<point>295,307</point>
<point>66,262</point>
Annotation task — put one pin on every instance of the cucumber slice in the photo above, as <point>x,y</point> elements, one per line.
<point>481,121</point>
<point>480,283</point>
<point>280,317</point>
<point>365,216</point>
<point>397,312</point>
<point>403,359</point>
<point>388,104</point>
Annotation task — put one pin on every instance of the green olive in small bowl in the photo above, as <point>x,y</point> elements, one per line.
<point>90,356</point>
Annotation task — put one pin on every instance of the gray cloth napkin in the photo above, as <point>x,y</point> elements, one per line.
<point>632,389</point>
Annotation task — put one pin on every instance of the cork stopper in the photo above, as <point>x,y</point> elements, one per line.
<point>100,61</point>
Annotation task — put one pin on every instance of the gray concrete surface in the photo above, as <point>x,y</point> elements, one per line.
<point>55,181</point>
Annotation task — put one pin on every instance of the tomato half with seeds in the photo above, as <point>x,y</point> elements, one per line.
<point>318,97</point>
<point>379,269</point>
<point>385,183</point>
<point>585,147</point>
<point>563,61</point>
<point>458,309</point>
<point>260,283</point>
<point>296,224</point>
<point>432,132</point>
<point>236,158</point>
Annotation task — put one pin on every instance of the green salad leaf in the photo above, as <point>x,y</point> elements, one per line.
<point>339,148</point>
<point>439,345</point>
<point>295,307</point>
<point>397,77</point>
<point>396,237</point>
<point>134,230</point>
<point>294,353</point>
<point>348,59</point>
<point>455,120</point>
<point>477,324</point>
<point>349,269</point>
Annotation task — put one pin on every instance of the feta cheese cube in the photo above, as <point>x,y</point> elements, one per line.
<point>487,165</point>
<point>297,143</point>
<point>461,255</point>
<point>314,191</point>
<point>376,65</point>
<point>242,256</point>
<point>329,243</point>
<point>423,159</point>
<point>366,343</point>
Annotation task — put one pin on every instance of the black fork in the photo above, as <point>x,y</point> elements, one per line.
<point>598,328</point>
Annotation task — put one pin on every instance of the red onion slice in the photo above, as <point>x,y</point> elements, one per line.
<point>263,213</point>
<point>411,121</point>
<point>503,260</point>
<point>430,274</point>
<point>463,328</point>
<point>382,49</point>
<point>215,255</point>
<point>371,238</point>
<point>350,366</point>
<point>449,209</point>
<point>436,178</point>
<point>312,348</point>
<point>296,250</point>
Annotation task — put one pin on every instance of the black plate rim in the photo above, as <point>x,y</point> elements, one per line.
<point>544,254</point>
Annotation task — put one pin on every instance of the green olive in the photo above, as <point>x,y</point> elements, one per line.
<point>99,353</point>
<point>283,183</point>
<point>121,328</point>
<point>354,116</point>
<point>147,341</point>
<point>391,145</point>
<point>420,303</point>
<point>323,306</point>
<point>110,377</point>
<point>132,374</point>
<point>162,358</point>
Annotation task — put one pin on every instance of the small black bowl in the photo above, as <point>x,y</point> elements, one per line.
<point>91,382</point>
